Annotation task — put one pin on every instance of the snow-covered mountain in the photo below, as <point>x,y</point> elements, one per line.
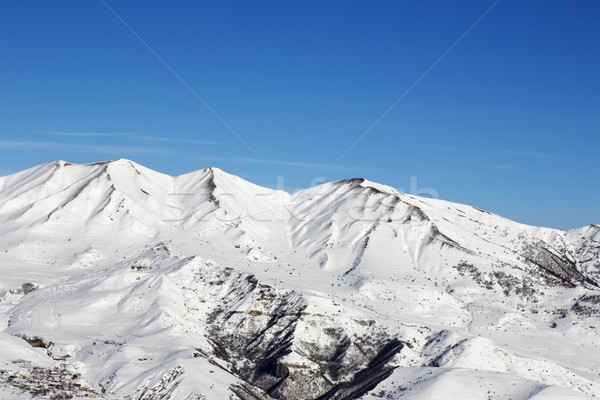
<point>119,282</point>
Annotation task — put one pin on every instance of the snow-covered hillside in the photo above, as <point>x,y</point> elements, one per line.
<point>119,282</point>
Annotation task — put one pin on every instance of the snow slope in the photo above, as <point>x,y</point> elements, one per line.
<point>120,282</point>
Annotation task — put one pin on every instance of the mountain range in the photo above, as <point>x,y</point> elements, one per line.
<point>120,282</point>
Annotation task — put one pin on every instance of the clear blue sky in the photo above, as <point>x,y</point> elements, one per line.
<point>508,121</point>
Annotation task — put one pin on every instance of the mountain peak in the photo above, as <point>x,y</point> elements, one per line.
<point>334,289</point>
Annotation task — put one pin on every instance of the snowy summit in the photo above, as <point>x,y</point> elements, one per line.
<point>119,282</point>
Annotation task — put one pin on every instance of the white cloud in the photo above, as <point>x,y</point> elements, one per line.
<point>520,153</point>
<point>130,136</point>
<point>301,164</point>
<point>82,148</point>
<point>85,134</point>
<point>172,140</point>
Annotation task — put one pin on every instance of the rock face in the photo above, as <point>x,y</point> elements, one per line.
<point>124,283</point>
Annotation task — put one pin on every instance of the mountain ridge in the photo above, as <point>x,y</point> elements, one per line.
<point>206,286</point>
<point>124,163</point>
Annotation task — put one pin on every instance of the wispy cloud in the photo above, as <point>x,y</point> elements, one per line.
<point>172,140</point>
<point>505,167</point>
<point>288,163</point>
<point>520,153</point>
<point>130,136</point>
<point>85,134</point>
<point>530,154</point>
<point>82,148</point>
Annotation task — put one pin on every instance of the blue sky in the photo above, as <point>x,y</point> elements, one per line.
<point>508,120</point>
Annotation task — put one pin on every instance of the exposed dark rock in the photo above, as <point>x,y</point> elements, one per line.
<point>414,214</point>
<point>507,283</point>
<point>587,306</point>
<point>367,378</point>
<point>36,341</point>
<point>252,345</point>
<point>56,383</point>
<point>28,287</point>
<point>247,392</point>
<point>556,269</point>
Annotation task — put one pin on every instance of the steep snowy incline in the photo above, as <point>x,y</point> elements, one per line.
<point>122,282</point>
<point>125,198</point>
<point>342,222</point>
<point>164,322</point>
